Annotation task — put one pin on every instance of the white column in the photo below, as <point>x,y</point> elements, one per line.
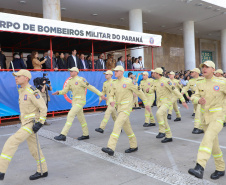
<point>51,9</point>
<point>136,24</point>
<point>189,45</point>
<point>223,49</point>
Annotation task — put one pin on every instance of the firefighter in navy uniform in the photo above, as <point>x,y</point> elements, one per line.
<point>32,108</point>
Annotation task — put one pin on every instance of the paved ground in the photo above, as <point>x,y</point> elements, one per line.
<point>83,162</point>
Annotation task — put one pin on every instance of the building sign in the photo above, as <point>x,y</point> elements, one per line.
<point>40,26</point>
<point>207,55</point>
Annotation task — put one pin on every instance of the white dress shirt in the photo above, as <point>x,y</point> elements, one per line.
<point>136,66</point>
<point>74,60</point>
<point>102,62</point>
<point>83,62</point>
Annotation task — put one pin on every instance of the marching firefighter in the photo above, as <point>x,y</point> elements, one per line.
<point>33,113</point>
<point>78,87</point>
<point>122,91</point>
<point>110,111</point>
<point>210,94</point>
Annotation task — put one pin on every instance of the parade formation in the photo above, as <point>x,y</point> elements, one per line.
<point>208,98</point>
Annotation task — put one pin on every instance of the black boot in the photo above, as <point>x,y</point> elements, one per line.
<point>2,175</point>
<point>197,171</point>
<point>198,131</point>
<point>194,130</point>
<point>169,116</point>
<point>224,124</point>
<point>130,150</point>
<point>177,119</point>
<point>99,130</point>
<point>193,114</point>
<point>83,137</point>
<point>160,135</point>
<point>151,124</point>
<point>38,175</point>
<point>166,140</point>
<point>145,125</point>
<point>217,174</point>
<point>108,151</point>
<point>61,137</point>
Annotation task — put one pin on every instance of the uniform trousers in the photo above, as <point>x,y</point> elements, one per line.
<point>122,121</point>
<point>76,110</point>
<point>11,145</point>
<point>210,145</point>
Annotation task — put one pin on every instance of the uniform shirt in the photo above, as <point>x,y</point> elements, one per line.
<point>191,85</point>
<point>32,105</point>
<point>78,87</point>
<point>214,91</point>
<point>164,91</point>
<point>122,89</point>
<point>177,84</point>
<point>106,89</point>
<point>146,84</point>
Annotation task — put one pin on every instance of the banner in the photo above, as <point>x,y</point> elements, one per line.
<point>40,26</point>
<point>9,96</point>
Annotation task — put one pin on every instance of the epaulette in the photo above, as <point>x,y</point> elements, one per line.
<point>200,81</point>
<point>32,88</point>
<point>127,81</point>
<point>219,81</point>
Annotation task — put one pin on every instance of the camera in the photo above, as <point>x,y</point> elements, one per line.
<point>40,80</point>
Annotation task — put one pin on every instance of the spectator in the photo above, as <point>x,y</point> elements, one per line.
<point>77,55</point>
<point>129,62</point>
<point>224,75</point>
<point>140,62</point>
<point>182,80</point>
<point>152,74</point>
<point>130,75</point>
<point>29,62</point>
<point>62,64</point>
<point>35,62</point>
<point>48,62</point>
<point>83,63</point>
<point>111,62</point>
<point>89,61</point>
<point>100,62</point>
<point>177,76</point>
<point>18,63</point>
<point>57,57</point>
<point>120,62</point>
<point>45,54</point>
<point>73,60</point>
<point>133,60</point>
<point>136,64</point>
<point>2,59</point>
<point>66,55</point>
